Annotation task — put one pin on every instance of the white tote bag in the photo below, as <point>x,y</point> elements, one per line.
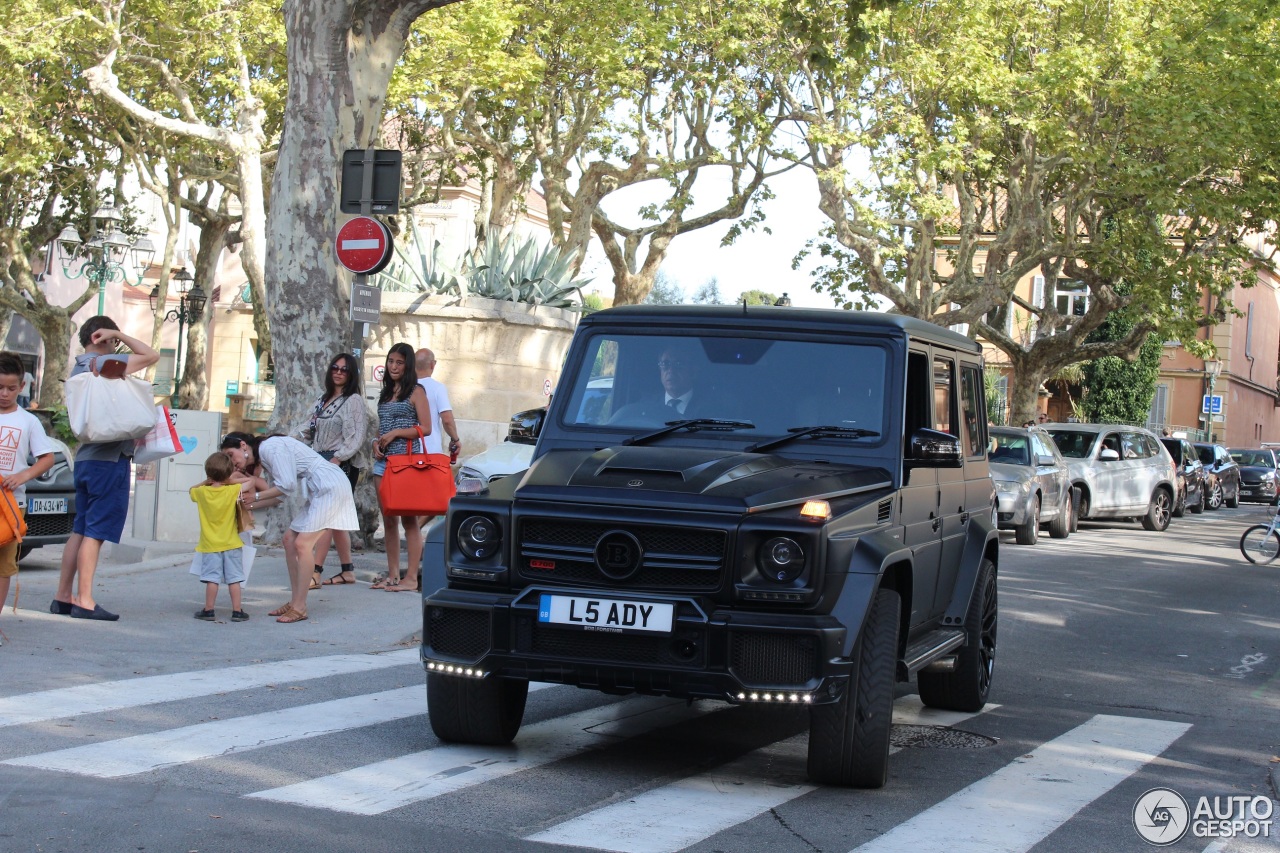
<point>101,409</point>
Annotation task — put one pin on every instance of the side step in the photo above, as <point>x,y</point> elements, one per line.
<point>930,648</point>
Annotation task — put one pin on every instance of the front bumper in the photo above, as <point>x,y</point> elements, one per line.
<point>1012,510</point>
<point>1264,492</point>
<point>737,656</point>
<point>49,528</point>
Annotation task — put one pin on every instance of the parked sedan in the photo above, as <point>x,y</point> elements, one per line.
<point>1119,472</point>
<point>51,503</point>
<point>1032,484</point>
<point>1222,473</point>
<point>1257,474</point>
<point>1192,492</point>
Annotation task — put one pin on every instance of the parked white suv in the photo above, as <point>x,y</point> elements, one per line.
<point>1119,472</point>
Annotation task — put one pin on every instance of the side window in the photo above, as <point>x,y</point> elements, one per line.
<point>944,372</point>
<point>1111,442</point>
<point>1038,448</point>
<point>919,389</point>
<point>971,411</point>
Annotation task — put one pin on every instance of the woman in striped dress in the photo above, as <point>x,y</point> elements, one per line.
<point>402,411</point>
<point>318,487</point>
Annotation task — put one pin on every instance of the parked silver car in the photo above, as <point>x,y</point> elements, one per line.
<point>1033,485</point>
<point>1119,472</point>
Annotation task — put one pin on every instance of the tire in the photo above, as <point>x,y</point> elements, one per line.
<point>1076,500</point>
<point>849,739</point>
<point>1260,544</point>
<point>1060,527</point>
<point>1198,507</point>
<point>967,687</point>
<point>1157,517</point>
<point>1180,508</point>
<point>1233,502</point>
<point>1028,532</point>
<point>1215,496</point>
<point>485,711</point>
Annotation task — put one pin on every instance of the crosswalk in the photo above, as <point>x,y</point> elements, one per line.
<point>1027,799</point>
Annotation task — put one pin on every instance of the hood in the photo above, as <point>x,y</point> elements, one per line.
<point>714,480</point>
<point>1013,473</point>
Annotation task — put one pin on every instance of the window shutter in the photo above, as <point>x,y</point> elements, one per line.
<point>1037,291</point>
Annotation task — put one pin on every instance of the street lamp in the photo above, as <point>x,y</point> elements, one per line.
<point>190,308</point>
<point>106,254</point>
<point>1212,370</point>
<point>783,300</point>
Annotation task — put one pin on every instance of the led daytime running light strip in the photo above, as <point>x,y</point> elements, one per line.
<point>455,669</point>
<point>785,698</point>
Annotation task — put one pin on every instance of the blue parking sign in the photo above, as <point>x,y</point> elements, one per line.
<point>1212,405</point>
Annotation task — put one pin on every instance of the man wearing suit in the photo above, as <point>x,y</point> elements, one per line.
<point>678,375</point>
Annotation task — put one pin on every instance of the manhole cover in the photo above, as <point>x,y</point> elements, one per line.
<point>937,737</point>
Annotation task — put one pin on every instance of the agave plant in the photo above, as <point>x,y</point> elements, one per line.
<point>417,270</point>
<point>522,271</point>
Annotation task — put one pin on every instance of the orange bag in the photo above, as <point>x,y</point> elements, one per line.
<point>12,525</point>
<point>416,483</point>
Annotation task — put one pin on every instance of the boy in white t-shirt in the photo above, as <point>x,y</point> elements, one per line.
<point>21,435</point>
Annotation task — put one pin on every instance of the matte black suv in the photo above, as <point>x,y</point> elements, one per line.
<point>772,505</point>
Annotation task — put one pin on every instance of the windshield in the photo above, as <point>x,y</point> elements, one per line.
<point>641,382</point>
<point>1010,448</point>
<point>1073,444</point>
<point>1256,458</point>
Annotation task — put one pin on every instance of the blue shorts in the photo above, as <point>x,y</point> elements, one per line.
<point>379,467</point>
<point>225,567</point>
<point>102,498</point>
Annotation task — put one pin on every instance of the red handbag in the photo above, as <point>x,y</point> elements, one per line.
<point>416,483</point>
<point>12,524</point>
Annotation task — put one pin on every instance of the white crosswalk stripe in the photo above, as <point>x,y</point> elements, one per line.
<point>154,689</point>
<point>1026,800</point>
<point>675,816</point>
<point>380,787</point>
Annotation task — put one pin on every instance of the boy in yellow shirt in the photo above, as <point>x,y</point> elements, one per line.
<point>220,547</point>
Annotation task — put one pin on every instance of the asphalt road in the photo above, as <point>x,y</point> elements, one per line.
<point>1128,661</point>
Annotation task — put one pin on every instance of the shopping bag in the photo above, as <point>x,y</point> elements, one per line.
<point>13,526</point>
<point>416,483</point>
<point>100,409</point>
<point>160,441</point>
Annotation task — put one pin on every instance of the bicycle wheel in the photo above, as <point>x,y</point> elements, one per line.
<point>1260,544</point>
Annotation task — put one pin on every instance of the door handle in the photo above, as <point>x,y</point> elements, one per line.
<point>964,518</point>
<point>937,523</point>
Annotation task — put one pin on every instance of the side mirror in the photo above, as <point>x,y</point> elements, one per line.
<point>525,426</point>
<point>934,449</point>
<point>1044,460</point>
<point>1108,455</point>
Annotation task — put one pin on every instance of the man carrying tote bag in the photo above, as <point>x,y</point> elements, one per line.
<point>101,476</point>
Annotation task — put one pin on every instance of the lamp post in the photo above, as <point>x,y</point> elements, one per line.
<point>190,307</point>
<point>1212,370</point>
<point>106,254</point>
<point>783,300</point>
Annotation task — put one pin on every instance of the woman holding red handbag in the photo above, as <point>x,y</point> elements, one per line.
<point>403,413</point>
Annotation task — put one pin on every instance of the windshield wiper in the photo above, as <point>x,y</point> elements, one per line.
<point>816,431</point>
<point>693,425</point>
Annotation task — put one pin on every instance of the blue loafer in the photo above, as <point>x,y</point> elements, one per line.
<point>60,608</point>
<point>78,612</point>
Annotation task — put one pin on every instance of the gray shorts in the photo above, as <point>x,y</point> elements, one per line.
<point>222,567</point>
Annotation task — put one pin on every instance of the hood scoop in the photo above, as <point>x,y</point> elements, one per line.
<point>678,464</point>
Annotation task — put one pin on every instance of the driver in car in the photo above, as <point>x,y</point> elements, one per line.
<point>679,400</point>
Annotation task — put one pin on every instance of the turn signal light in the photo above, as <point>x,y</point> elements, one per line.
<point>819,510</point>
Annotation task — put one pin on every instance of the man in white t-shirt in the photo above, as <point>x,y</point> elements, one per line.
<point>441,410</point>
<point>24,393</point>
<point>21,435</point>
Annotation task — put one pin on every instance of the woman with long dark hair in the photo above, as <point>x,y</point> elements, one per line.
<point>336,431</point>
<point>318,487</point>
<point>402,412</point>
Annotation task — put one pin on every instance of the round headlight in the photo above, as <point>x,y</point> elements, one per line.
<point>478,537</point>
<point>781,559</point>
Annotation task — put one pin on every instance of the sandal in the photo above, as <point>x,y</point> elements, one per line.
<point>290,615</point>
<point>337,580</point>
<point>400,587</point>
<point>385,582</point>
<point>281,610</point>
<point>315,581</point>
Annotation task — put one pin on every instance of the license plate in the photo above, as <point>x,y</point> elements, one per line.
<point>610,615</point>
<point>1246,491</point>
<point>46,506</point>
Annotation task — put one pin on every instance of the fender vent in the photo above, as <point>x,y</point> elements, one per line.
<point>884,510</point>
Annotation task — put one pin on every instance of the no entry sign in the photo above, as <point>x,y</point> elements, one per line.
<point>364,245</point>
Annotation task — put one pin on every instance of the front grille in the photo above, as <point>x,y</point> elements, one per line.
<point>774,660</point>
<point>458,632</point>
<point>50,525</point>
<point>685,647</point>
<point>674,557</point>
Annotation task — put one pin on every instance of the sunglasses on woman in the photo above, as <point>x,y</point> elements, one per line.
<point>339,368</point>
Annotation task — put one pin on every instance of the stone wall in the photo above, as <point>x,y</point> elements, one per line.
<point>496,358</point>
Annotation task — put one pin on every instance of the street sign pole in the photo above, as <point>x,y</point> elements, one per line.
<point>358,327</point>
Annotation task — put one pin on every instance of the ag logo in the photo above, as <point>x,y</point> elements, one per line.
<point>1161,816</point>
<point>618,554</point>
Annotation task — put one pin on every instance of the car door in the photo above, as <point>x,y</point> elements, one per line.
<point>919,507</point>
<point>1050,477</point>
<point>966,490</point>
<point>1110,493</point>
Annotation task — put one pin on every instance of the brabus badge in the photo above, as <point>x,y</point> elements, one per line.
<point>634,483</point>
